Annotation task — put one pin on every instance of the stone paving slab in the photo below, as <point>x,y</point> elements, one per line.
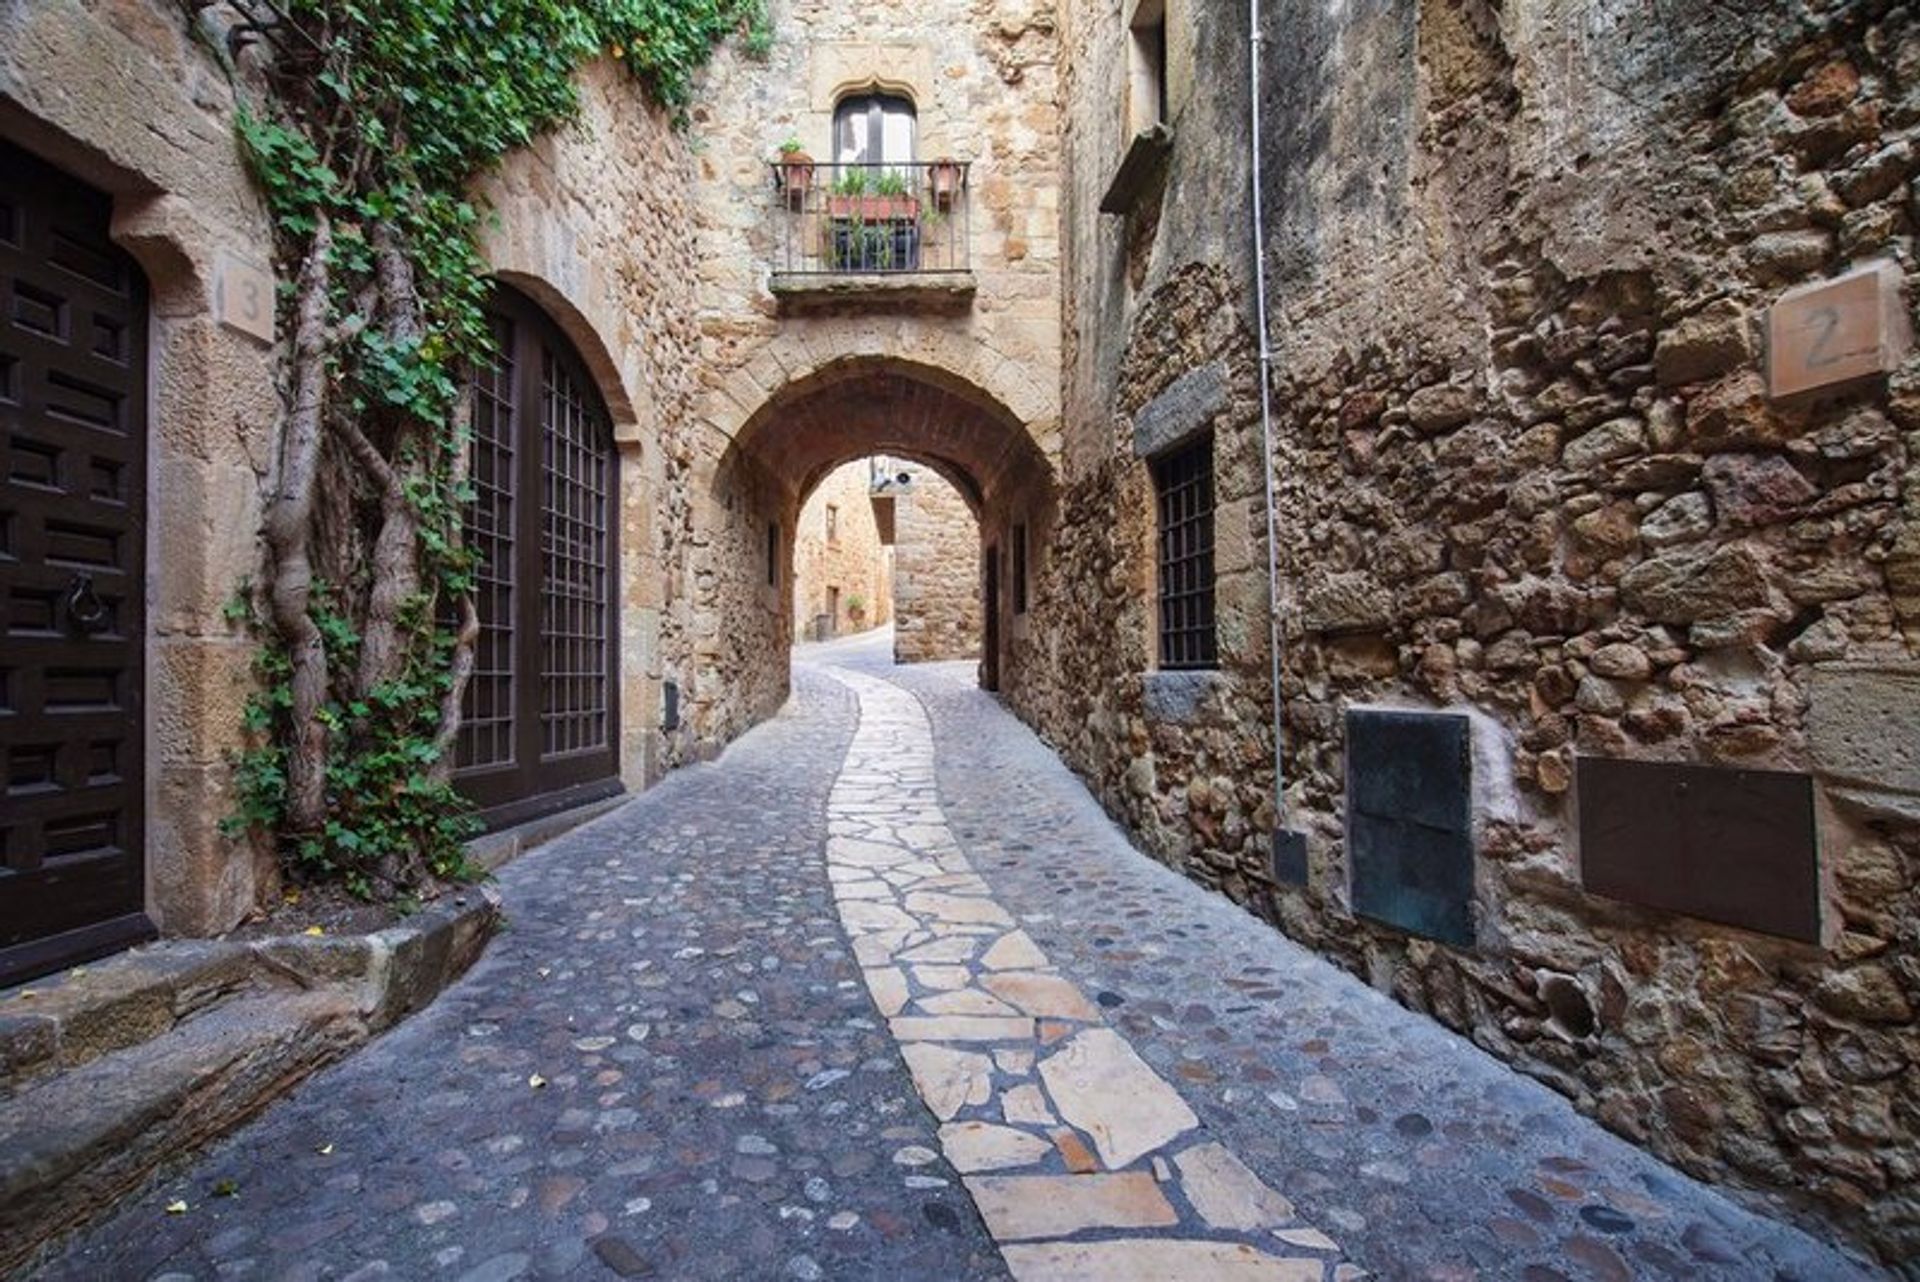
<point>667,1066</point>
<point>1423,1157</point>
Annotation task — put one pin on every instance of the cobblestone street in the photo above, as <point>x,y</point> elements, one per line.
<point>882,994</point>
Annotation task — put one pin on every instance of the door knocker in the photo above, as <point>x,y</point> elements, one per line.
<point>87,614</point>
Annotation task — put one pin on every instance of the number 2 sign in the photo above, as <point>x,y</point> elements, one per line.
<point>1836,331</point>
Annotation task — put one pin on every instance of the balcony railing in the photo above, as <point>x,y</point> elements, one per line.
<point>871,218</point>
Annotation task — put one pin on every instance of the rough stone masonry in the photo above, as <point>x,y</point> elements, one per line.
<point>1529,472</point>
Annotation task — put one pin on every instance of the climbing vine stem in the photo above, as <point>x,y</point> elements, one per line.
<point>365,123</point>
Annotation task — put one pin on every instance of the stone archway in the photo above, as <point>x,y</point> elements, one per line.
<point>839,410</point>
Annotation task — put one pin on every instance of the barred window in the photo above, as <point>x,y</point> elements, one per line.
<point>1183,488</point>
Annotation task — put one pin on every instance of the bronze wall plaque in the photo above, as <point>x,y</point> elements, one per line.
<point>1727,845</point>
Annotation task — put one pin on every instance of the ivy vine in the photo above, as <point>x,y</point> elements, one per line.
<point>365,124</point>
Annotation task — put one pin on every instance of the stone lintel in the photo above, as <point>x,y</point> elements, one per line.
<point>877,291</point>
<point>1181,412</point>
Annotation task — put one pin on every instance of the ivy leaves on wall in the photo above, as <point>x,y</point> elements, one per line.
<point>365,124</point>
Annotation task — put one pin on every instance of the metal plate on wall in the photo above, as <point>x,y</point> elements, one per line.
<point>1410,821</point>
<point>1727,845</point>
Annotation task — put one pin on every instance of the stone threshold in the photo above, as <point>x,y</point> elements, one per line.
<point>111,1072</point>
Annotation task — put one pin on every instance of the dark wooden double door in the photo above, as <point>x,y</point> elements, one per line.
<point>541,718</point>
<point>73,472</point>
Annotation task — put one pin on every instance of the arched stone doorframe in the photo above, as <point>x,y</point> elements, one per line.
<point>524,246</point>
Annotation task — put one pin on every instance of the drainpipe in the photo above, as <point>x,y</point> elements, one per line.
<point>1289,845</point>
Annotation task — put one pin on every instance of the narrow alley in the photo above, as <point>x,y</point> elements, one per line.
<point>668,1065</point>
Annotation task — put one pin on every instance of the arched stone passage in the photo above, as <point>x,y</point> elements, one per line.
<point>843,409</point>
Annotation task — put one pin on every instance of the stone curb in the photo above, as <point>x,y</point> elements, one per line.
<point>151,1056</point>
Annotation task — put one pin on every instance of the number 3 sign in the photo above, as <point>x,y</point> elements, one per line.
<point>1836,331</point>
<point>243,297</point>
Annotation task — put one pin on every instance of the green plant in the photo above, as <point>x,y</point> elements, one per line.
<point>853,181</point>
<point>371,122</point>
<point>792,146</point>
<point>856,604</point>
<point>891,182</point>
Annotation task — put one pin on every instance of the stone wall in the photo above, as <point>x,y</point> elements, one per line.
<point>936,584</point>
<point>589,222</point>
<point>838,561</point>
<point>1527,471</point>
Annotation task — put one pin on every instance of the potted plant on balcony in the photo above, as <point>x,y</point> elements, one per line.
<point>796,172</point>
<point>944,178</point>
<point>857,609</point>
<point>860,198</point>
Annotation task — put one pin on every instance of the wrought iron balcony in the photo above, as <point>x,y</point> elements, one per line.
<point>888,229</point>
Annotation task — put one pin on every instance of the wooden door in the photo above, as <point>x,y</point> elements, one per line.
<point>990,622</point>
<point>541,722</point>
<point>73,462</point>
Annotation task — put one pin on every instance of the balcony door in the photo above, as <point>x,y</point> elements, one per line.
<point>874,129</point>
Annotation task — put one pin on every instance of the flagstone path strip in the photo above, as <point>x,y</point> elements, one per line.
<point>1059,1129</point>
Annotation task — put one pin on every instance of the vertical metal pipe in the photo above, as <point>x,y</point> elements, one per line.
<point>1266,413</point>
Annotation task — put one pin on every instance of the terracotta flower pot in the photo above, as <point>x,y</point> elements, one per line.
<point>944,177</point>
<point>796,177</point>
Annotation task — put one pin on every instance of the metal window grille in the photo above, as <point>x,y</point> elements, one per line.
<point>1183,487</point>
<point>486,722</point>
<point>575,608</point>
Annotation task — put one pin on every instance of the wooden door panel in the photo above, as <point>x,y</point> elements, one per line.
<point>73,335</point>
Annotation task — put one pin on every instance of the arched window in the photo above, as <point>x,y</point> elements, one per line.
<point>874,129</point>
<point>540,722</point>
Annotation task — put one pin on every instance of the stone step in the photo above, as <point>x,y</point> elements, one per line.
<point>72,1019</point>
<point>73,1144</point>
<point>110,1071</point>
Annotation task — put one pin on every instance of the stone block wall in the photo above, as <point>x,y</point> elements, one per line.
<point>1528,470</point>
<point>834,564</point>
<point>936,584</point>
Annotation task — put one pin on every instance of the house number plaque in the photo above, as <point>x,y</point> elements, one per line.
<point>243,297</point>
<point>1836,331</point>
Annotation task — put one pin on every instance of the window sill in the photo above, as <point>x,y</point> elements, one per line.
<point>1142,166</point>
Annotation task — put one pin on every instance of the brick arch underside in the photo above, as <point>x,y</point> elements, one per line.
<point>859,409</point>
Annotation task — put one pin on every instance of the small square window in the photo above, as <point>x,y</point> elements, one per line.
<point>1183,493</point>
<point>833,524</point>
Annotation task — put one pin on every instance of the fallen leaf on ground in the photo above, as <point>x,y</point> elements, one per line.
<point>325,1150</point>
<point>226,1188</point>
<point>536,1081</point>
<point>314,930</point>
<point>176,1207</point>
